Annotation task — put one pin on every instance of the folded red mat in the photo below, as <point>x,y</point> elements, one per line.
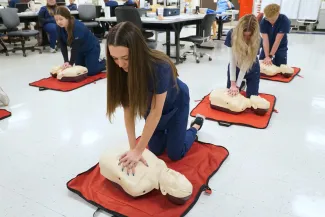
<point>199,165</point>
<point>247,118</point>
<point>281,78</point>
<point>4,114</point>
<point>51,83</point>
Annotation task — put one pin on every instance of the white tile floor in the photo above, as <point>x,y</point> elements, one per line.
<point>53,136</point>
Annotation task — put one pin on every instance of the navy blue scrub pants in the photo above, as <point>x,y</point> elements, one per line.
<point>280,56</point>
<point>50,28</point>
<point>171,133</point>
<point>252,80</point>
<point>90,60</point>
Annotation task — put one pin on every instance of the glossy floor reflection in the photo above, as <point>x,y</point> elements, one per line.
<point>53,136</point>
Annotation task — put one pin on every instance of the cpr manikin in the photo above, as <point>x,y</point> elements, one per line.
<point>272,70</point>
<point>157,175</point>
<point>221,100</point>
<point>71,74</point>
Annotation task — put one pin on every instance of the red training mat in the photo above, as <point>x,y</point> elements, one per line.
<point>199,165</point>
<point>280,78</point>
<point>4,114</point>
<point>247,118</point>
<point>51,83</point>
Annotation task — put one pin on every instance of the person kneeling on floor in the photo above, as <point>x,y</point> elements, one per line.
<point>145,83</point>
<point>85,47</point>
<point>244,44</point>
<point>274,28</point>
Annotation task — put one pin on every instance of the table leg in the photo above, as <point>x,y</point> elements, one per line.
<point>168,42</point>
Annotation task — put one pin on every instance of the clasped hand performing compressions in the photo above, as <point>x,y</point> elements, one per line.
<point>130,159</point>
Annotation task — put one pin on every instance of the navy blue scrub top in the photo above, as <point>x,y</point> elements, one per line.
<point>73,7</point>
<point>282,25</point>
<point>164,82</point>
<point>81,33</point>
<point>228,43</point>
<point>111,3</point>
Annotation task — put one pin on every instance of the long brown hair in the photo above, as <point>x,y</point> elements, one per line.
<point>51,8</point>
<point>246,51</point>
<point>64,12</point>
<point>130,89</point>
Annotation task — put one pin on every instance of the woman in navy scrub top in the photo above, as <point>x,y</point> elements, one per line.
<point>274,28</point>
<point>243,44</point>
<point>46,18</point>
<point>85,48</point>
<point>146,84</point>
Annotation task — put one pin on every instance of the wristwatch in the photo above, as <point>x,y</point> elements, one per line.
<point>271,56</point>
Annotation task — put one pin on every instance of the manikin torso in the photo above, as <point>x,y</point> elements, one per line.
<point>156,176</point>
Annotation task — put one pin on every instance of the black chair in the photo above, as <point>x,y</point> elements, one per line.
<point>3,47</point>
<point>88,15</point>
<point>131,14</point>
<point>11,21</point>
<point>197,40</point>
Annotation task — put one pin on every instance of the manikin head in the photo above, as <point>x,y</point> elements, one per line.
<point>272,12</point>
<point>175,184</point>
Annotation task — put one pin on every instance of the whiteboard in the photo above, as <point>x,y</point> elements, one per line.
<point>297,9</point>
<point>290,8</point>
<point>309,9</point>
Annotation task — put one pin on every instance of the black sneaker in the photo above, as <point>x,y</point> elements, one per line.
<point>198,120</point>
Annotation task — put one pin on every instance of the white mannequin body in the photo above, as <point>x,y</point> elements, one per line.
<point>236,104</point>
<point>156,176</point>
<point>273,70</point>
<point>69,73</point>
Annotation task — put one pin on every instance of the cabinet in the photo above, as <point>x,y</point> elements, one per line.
<point>321,20</point>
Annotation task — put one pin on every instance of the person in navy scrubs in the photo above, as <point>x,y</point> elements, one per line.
<point>85,48</point>
<point>146,84</point>
<point>110,3</point>
<point>243,44</point>
<point>72,6</point>
<point>274,29</point>
<point>12,3</point>
<point>47,21</point>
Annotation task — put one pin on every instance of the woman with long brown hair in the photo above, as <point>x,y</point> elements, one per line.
<point>244,44</point>
<point>85,47</point>
<point>47,21</point>
<point>146,84</point>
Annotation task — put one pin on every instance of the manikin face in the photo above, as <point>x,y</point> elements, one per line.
<point>61,21</point>
<point>51,2</point>
<point>247,36</point>
<point>120,55</point>
<point>175,184</point>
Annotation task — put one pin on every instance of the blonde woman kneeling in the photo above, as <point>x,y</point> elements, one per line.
<point>244,44</point>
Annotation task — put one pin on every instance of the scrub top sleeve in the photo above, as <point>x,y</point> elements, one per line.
<point>164,75</point>
<point>285,25</point>
<point>228,38</point>
<point>263,26</point>
<point>74,51</point>
<point>63,45</point>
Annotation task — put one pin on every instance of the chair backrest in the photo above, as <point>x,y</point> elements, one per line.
<point>10,17</point>
<point>206,24</point>
<point>130,14</point>
<point>87,12</point>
